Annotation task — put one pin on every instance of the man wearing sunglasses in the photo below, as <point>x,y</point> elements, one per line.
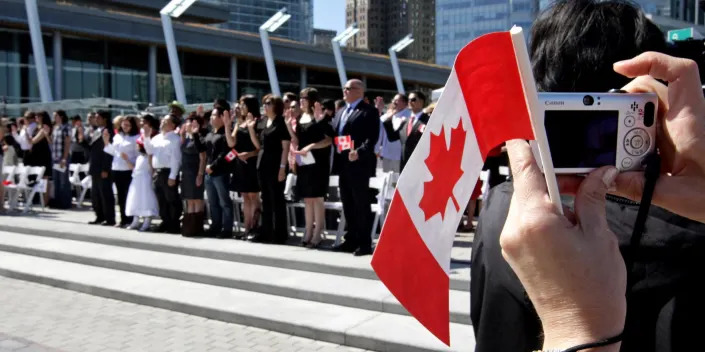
<point>409,132</point>
<point>357,129</point>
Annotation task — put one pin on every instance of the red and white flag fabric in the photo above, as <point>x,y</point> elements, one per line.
<point>231,155</point>
<point>343,143</point>
<point>483,104</point>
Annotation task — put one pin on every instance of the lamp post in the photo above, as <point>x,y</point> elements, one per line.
<point>270,26</point>
<point>174,8</point>
<point>35,33</point>
<point>399,46</point>
<point>337,42</point>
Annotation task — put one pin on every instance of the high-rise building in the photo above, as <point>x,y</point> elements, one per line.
<point>249,15</point>
<point>684,10</point>
<point>460,21</point>
<point>323,37</point>
<point>384,22</point>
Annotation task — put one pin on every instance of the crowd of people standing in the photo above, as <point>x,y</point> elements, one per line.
<point>168,167</point>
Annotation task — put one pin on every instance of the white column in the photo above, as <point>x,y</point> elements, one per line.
<point>304,77</point>
<point>58,67</point>
<point>35,32</point>
<point>395,69</point>
<point>269,60</point>
<point>152,75</point>
<point>173,59</point>
<point>233,79</point>
<point>339,64</point>
<point>697,12</point>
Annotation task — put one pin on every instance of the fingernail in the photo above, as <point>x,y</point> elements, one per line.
<point>608,178</point>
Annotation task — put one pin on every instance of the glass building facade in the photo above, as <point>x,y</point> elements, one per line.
<point>460,21</point>
<point>249,15</point>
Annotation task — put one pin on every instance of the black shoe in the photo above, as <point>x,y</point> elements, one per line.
<point>108,223</point>
<point>345,247</point>
<point>95,222</point>
<point>259,238</point>
<point>360,252</point>
<point>224,235</point>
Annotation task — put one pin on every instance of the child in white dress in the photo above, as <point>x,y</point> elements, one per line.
<point>141,200</point>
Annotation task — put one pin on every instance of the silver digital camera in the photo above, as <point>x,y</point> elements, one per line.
<point>588,130</point>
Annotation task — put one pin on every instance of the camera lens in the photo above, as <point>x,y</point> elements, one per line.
<point>588,100</point>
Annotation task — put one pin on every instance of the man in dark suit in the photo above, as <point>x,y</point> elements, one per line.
<point>356,165</point>
<point>101,163</point>
<point>410,130</point>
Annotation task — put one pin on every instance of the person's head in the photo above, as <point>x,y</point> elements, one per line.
<point>177,109</point>
<point>148,120</point>
<point>353,90</point>
<point>288,97</point>
<point>43,118</point>
<point>76,120</point>
<point>193,118</point>
<point>400,102</point>
<point>219,108</point>
<point>575,42</point>
<point>308,99</point>
<point>117,121</point>
<point>417,100</point>
<point>170,123</point>
<point>91,119</point>
<point>102,118</point>
<point>60,117</point>
<point>249,104</point>
<point>128,126</point>
<point>329,107</point>
<point>29,117</point>
<point>273,105</point>
<point>339,105</point>
<point>295,109</point>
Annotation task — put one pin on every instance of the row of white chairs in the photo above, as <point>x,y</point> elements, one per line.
<point>21,183</point>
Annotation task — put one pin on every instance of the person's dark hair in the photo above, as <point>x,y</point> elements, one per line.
<point>63,116</point>
<point>328,104</point>
<point>134,129</point>
<point>252,104</point>
<point>221,105</point>
<point>311,94</point>
<point>403,97</point>
<point>340,103</point>
<point>43,118</point>
<point>152,122</point>
<point>175,120</point>
<point>105,115</point>
<point>29,115</point>
<point>193,117</point>
<point>277,103</point>
<point>575,42</point>
<point>419,95</point>
<point>290,96</point>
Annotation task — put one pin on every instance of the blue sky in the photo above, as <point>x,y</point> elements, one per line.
<point>329,14</point>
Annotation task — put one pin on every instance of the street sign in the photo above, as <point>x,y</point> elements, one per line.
<point>681,34</point>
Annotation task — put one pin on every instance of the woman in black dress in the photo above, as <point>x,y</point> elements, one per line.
<point>313,134</point>
<point>243,138</point>
<point>271,170</point>
<point>41,148</point>
<point>193,166</point>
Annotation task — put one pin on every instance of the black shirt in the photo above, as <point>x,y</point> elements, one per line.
<point>271,141</point>
<point>216,150</point>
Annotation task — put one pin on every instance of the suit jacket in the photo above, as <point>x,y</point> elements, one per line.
<point>363,128</point>
<point>408,143</point>
<point>100,161</point>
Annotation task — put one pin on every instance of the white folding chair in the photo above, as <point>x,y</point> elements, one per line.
<point>380,184</point>
<point>81,186</point>
<point>237,202</point>
<point>334,182</point>
<point>19,179</point>
<point>291,204</point>
<point>40,186</point>
<point>8,173</point>
<point>484,177</point>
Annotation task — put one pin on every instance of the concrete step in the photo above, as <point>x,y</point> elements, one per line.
<point>288,257</point>
<point>346,291</point>
<point>322,321</point>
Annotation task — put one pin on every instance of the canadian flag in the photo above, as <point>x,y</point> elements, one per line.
<point>343,143</point>
<point>231,155</point>
<point>483,104</point>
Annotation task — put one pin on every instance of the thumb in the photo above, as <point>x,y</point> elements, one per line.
<point>590,199</point>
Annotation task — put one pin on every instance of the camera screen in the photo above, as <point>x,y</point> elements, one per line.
<point>582,139</point>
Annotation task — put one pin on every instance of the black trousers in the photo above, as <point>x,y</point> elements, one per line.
<point>273,207</point>
<point>102,198</point>
<point>122,181</point>
<point>170,206</point>
<point>355,195</point>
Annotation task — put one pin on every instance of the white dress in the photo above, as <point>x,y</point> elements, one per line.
<point>141,200</point>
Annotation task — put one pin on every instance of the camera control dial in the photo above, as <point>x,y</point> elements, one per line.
<point>637,142</point>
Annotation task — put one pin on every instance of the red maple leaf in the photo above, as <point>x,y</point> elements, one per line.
<point>445,166</point>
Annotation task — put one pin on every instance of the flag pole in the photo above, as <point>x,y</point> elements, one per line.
<point>536,115</point>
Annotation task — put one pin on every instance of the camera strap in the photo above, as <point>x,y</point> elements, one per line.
<point>651,175</point>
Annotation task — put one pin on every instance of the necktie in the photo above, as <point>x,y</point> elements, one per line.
<point>410,125</point>
<point>344,119</point>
